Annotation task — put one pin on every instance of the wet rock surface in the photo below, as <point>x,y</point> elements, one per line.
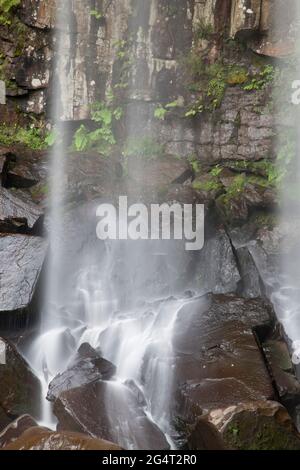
<point>22,258</point>
<point>18,213</point>
<point>221,363</point>
<point>85,410</point>
<point>38,438</point>
<point>87,367</point>
<point>20,389</point>
<point>15,429</point>
<point>261,425</point>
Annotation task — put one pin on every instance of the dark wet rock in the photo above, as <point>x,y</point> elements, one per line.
<point>91,175</point>
<point>87,367</point>
<point>223,274</point>
<point>22,258</point>
<point>282,370</point>
<point>38,438</point>
<point>218,361</point>
<point>15,429</point>
<point>27,167</point>
<point>18,213</point>
<point>205,436</point>
<point>260,425</point>
<point>4,419</point>
<point>250,285</point>
<point>258,247</point>
<point>20,389</point>
<point>91,409</point>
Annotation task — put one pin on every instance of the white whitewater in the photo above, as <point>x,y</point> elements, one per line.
<point>123,301</point>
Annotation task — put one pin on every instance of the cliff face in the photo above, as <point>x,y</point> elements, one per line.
<point>196,77</point>
<point>100,34</point>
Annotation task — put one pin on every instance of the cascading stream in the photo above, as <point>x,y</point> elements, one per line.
<point>120,297</point>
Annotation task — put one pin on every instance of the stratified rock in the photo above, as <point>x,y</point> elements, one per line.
<point>87,367</point>
<point>245,17</point>
<point>22,259</point>
<point>42,439</point>
<point>260,425</point>
<point>39,14</point>
<point>218,362</point>
<point>91,409</point>
<point>20,390</point>
<point>17,212</point>
<point>15,429</point>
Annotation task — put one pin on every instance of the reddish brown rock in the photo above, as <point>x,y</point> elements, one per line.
<point>85,409</point>
<point>15,429</point>
<point>220,364</point>
<point>260,425</point>
<point>42,439</point>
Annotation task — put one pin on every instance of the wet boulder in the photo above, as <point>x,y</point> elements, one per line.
<point>26,167</point>
<point>18,213</point>
<point>260,425</point>
<point>87,367</point>
<point>20,390</point>
<point>15,429</point>
<point>22,258</point>
<point>218,361</point>
<point>38,438</point>
<point>108,410</point>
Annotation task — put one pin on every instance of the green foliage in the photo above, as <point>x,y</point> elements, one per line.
<point>160,113</point>
<point>101,139</point>
<point>6,7</point>
<point>203,30</point>
<point>147,148</point>
<point>97,14</point>
<point>195,164</point>
<point>33,138</point>
<point>216,171</point>
<point>260,81</point>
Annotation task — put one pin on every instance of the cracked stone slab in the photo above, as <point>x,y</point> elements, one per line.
<point>17,211</point>
<point>22,259</point>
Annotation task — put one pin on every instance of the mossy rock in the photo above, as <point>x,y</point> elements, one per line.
<point>261,426</point>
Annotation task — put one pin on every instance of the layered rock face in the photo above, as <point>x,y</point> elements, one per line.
<point>195,79</point>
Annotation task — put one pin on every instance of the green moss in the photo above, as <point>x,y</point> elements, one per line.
<point>6,8</point>
<point>236,76</point>
<point>207,186</point>
<point>246,432</point>
<point>33,138</point>
<point>203,30</point>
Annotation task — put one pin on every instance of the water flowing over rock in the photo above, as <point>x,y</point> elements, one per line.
<point>41,439</point>
<point>20,388</point>
<point>261,425</point>
<point>87,367</point>
<point>86,410</point>
<point>15,429</point>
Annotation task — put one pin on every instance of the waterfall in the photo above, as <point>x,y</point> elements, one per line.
<point>121,297</point>
<point>285,288</point>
